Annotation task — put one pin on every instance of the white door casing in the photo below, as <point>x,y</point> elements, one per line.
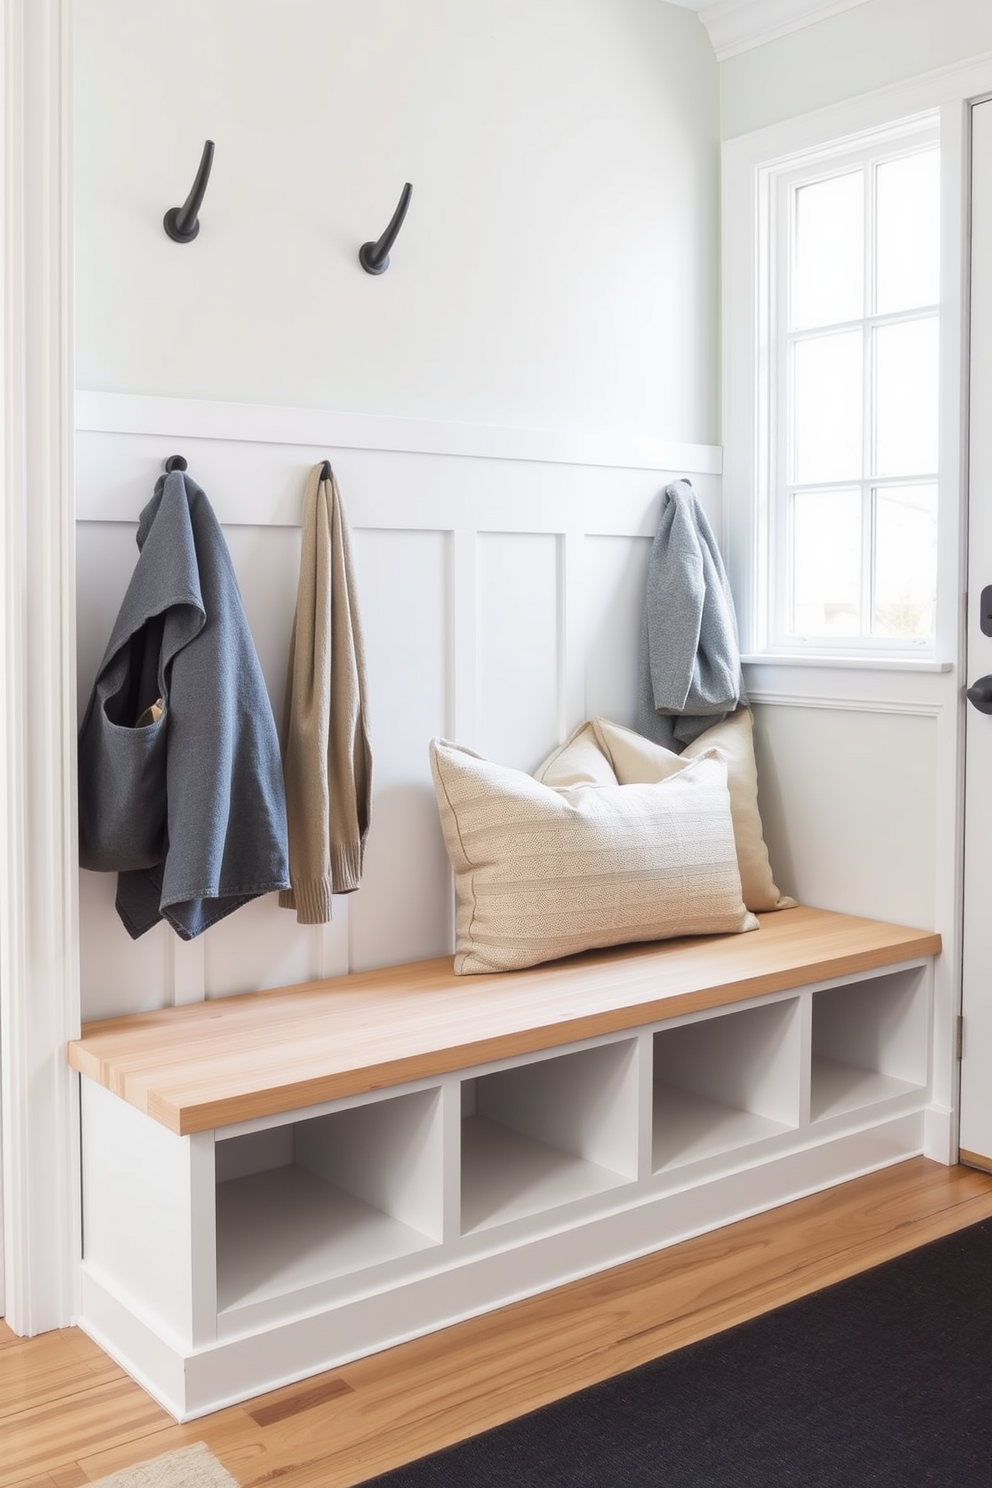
<point>976,1087</point>
<point>39,960</point>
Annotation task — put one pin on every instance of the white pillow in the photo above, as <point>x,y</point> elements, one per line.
<point>579,761</point>
<point>543,872</point>
<point>638,760</point>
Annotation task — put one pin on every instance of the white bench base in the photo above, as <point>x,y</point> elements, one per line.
<point>235,1259</point>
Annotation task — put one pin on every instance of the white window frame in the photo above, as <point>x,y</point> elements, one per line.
<point>776,265</point>
<point>752,166</point>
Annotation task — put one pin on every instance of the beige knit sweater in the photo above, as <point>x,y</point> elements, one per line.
<point>327,758</point>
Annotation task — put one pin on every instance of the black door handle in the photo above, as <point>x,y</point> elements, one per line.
<point>980,694</point>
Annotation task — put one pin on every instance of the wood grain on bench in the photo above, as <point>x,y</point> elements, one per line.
<point>232,1059</point>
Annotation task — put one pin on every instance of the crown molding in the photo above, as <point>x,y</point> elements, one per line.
<point>737,25</point>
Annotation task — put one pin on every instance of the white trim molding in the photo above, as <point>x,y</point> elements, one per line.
<point>737,25</point>
<point>926,709</point>
<point>39,959</point>
<point>850,663</point>
<point>190,418</point>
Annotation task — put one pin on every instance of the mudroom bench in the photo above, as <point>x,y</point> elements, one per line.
<point>278,1182</point>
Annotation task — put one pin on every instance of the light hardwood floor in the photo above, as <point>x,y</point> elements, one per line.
<point>68,1415</point>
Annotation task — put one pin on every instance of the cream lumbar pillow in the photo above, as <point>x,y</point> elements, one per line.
<point>543,872</point>
<point>579,761</point>
<point>635,759</point>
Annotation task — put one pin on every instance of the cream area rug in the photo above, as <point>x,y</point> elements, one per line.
<point>187,1467</point>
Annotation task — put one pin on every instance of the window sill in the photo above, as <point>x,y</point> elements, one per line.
<point>848,663</point>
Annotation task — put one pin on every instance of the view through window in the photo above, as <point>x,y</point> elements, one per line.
<point>855,365</point>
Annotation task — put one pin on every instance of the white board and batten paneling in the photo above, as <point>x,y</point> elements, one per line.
<point>501,577</point>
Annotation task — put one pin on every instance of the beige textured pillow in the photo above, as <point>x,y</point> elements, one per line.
<point>637,760</point>
<point>543,872</point>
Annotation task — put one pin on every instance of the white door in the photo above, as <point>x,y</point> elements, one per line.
<point>976,1063</point>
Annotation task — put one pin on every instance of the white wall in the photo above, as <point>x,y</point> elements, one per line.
<point>557,272</point>
<point>558,266</point>
<point>872,45</point>
<point>861,786</point>
<point>576,144</point>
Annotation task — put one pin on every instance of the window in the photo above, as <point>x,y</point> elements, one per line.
<point>851,289</point>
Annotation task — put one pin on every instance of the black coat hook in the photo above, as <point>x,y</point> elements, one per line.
<point>374,257</point>
<point>183,223</point>
<point>175,462</point>
<point>325,470</point>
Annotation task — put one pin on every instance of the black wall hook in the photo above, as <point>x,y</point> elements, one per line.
<point>183,223</point>
<point>325,470</point>
<point>374,257</point>
<point>175,462</point>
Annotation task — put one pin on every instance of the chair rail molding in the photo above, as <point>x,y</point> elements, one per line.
<point>39,958</point>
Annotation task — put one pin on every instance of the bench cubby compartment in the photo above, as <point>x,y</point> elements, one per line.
<point>869,1043</point>
<point>547,1132</point>
<point>310,1200</point>
<point>722,1083</point>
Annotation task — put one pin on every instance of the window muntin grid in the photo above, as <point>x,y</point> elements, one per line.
<point>855,391</point>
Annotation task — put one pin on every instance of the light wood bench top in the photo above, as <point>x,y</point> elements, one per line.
<point>231,1059</point>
